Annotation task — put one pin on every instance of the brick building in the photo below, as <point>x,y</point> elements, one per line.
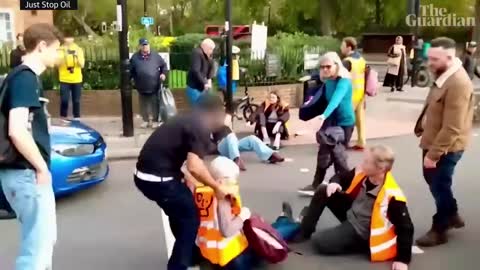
<point>14,21</point>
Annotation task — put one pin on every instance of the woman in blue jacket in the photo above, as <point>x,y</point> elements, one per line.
<point>339,113</point>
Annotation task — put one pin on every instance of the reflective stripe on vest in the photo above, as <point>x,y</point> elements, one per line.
<point>213,246</point>
<point>357,73</point>
<point>383,239</point>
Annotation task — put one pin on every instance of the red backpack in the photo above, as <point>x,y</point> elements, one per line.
<point>265,240</point>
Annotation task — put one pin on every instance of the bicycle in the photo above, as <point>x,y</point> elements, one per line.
<point>245,104</point>
<point>422,75</point>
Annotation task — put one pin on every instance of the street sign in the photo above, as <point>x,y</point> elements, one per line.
<point>147,21</point>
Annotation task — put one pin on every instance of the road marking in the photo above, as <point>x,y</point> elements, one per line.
<point>417,250</point>
<point>304,170</point>
<point>288,159</point>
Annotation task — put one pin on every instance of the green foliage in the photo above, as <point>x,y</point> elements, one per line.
<point>181,49</point>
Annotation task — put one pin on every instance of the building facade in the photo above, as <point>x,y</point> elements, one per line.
<point>14,21</point>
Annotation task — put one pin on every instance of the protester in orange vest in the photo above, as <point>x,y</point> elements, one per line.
<point>372,210</point>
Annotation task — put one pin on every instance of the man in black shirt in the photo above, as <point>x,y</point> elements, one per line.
<point>159,177</point>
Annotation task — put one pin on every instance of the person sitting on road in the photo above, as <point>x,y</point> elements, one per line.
<point>372,210</point>
<point>271,119</point>
<point>228,145</point>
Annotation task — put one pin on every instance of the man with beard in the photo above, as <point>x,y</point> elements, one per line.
<point>444,126</point>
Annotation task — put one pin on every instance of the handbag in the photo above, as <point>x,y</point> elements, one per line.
<point>314,106</point>
<point>167,107</point>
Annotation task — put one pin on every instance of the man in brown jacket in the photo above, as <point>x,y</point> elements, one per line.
<point>444,127</point>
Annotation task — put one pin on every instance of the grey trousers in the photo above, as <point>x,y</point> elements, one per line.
<point>149,107</point>
<point>342,239</point>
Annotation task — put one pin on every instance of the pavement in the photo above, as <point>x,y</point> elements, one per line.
<point>388,114</point>
<point>112,226</point>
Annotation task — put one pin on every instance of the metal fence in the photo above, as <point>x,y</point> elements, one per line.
<point>281,65</point>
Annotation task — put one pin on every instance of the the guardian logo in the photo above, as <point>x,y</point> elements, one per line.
<point>431,16</point>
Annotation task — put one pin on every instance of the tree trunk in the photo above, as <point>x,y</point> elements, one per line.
<point>326,12</point>
<point>86,28</point>
<point>476,28</point>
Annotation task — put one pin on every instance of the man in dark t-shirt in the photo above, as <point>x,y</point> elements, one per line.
<point>159,177</point>
<point>27,182</point>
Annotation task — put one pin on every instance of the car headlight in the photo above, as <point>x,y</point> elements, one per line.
<point>72,150</point>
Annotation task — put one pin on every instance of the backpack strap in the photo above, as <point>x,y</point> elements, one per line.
<point>11,74</point>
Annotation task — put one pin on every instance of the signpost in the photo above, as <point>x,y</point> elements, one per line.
<point>147,21</point>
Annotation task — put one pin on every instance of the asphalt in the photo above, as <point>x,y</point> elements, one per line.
<point>112,226</point>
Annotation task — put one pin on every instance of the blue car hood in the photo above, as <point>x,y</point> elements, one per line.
<point>72,132</point>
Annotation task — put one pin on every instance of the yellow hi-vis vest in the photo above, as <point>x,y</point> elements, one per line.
<point>383,240</point>
<point>213,246</point>
<point>357,72</point>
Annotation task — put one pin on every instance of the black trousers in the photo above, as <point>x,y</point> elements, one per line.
<point>177,202</point>
<point>341,239</point>
<point>328,155</point>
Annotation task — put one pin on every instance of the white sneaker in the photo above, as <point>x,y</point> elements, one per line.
<point>144,125</point>
<point>155,125</point>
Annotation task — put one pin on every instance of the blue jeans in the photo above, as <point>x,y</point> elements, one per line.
<point>75,91</point>
<point>177,202</point>
<point>440,181</point>
<point>35,208</point>
<point>231,147</point>
<point>193,95</point>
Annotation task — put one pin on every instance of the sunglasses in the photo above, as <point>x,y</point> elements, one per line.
<point>326,67</point>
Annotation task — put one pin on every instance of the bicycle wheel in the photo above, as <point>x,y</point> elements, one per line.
<point>249,111</point>
<point>422,78</point>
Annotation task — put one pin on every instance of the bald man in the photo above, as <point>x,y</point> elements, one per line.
<point>199,77</point>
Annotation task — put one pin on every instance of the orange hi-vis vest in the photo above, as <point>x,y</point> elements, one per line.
<point>383,240</point>
<point>357,72</point>
<point>214,247</point>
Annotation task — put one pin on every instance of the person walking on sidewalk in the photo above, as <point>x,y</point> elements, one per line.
<point>148,70</point>
<point>16,55</point>
<point>26,181</point>
<point>355,63</point>
<point>444,126</point>
<point>469,61</point>
<point>337,118</point>
<point>372,210</point>
<point>228,145</point>
<point>72,61</point>
<point>158,173</point>
<point>199,78</point>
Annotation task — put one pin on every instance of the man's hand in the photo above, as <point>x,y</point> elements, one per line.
<point>333,188</point>
<point>276,128</point>
<point>428,163</point>
<point>162,77</point>
<point>222,192</point>
<point>44,177</point>
<point>399,266</point>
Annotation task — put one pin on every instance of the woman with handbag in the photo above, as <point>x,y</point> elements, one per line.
<point>337,121</point>
<point>397,65</point>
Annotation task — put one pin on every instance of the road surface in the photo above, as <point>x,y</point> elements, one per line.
<point>113,227</point>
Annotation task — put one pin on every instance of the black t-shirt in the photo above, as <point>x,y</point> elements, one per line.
<point>24,91</point>
<point>165,151</point>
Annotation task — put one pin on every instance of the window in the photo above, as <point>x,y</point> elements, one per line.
<point>6,26</point>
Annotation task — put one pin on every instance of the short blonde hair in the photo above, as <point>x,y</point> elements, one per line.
<point>383,156</point>
<point>224,169</point>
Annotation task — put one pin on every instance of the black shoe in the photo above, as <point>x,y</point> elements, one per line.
<point>302,214</point>
<point>287,211</point>
<point>307,191</point>
<point>400,90</point>
<point>7,215</point>
<point>300,237</point>
<point>392,90</point>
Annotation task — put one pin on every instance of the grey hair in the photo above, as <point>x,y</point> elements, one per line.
<point>334,58</point>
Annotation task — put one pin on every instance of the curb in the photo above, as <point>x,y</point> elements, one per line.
<point>406,100</point>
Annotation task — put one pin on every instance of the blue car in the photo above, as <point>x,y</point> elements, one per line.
<point>78,157</point>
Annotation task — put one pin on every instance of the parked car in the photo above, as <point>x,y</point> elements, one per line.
<point>78,157</point>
